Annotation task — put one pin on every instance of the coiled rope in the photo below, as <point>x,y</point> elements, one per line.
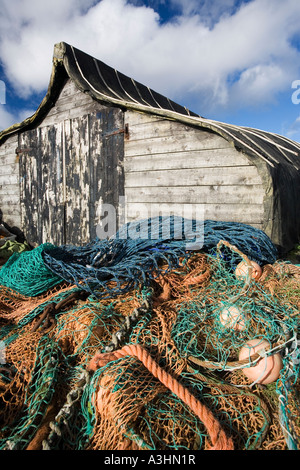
<point>218,437</point>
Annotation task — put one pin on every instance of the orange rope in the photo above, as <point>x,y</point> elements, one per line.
<point>166,293</point>
<point>192,280</point>
<point>218,437</point>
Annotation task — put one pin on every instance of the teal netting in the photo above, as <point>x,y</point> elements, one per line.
<point>107,267</point>
<point>48,400</point>
<point>133,255</point>
<point>39,393</point>
<point>27,274</point>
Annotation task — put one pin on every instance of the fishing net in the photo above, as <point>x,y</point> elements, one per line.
<point>130,257</point>
<point>137,251</point>
<point>155,365</point>
<point>27,274</point>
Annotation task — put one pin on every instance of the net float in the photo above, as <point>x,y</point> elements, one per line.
<point>244,268</point>
<point>267,369</point>
<point>232,317</point>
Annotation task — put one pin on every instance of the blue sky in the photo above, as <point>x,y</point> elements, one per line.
<point>234,61</point>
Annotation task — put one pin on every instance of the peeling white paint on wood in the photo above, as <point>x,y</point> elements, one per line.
<point>9,182</point>
<point>209,194</point>
<point>243,213</point>
<point>71,167</point>
<point>168,165</point>
<point>79,160</point>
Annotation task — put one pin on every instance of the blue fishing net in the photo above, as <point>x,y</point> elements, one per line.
<point>136,252</point>
<point>48,399</point>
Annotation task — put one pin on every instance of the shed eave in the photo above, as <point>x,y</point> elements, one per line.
<point>57,80</point>
<point>106,85</point>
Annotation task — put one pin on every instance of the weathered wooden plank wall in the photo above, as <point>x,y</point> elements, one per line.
<point>41,183</point>
<point>77,179</point>
<point>93,169</point>
<point>75,164</point>
<point>72,166</point>
<point>9,182</point>
<point>171,167</point>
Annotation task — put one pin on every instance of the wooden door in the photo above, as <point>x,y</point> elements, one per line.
<point>67,172</point>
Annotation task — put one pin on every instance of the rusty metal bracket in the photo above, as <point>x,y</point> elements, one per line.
<point>22,150</point>
<point>124,131</point>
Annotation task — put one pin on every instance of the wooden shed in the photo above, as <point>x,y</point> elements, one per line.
<point>100,137</point>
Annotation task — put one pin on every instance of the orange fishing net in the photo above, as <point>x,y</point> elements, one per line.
<point>145,393</point>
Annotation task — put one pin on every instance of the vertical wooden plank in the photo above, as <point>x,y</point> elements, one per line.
<point>45,148</point>
<point>41,184</point>
<point>77,180</point>
<point>107,162</point>
<point>72,169</point>
<point>29,185</point>
<point>85,179</point>
<point>69,227</point>
<point>9,182</point>
<point>52,208</point>
<point>113,156</point>
<point>96,172</point>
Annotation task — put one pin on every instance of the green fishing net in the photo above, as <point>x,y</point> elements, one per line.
<point>50,401</point>
<point>26,273</point>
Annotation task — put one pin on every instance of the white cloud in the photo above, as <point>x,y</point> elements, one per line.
<point>110,30</point>
<point>293,130</point>
<point>8,117</point>
<point>217,53</point>
<point>210,11</point>
<point>257,83</point>
<point>29,29</point>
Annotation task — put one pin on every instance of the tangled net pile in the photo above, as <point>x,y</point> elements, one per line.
<point>136,356</point>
